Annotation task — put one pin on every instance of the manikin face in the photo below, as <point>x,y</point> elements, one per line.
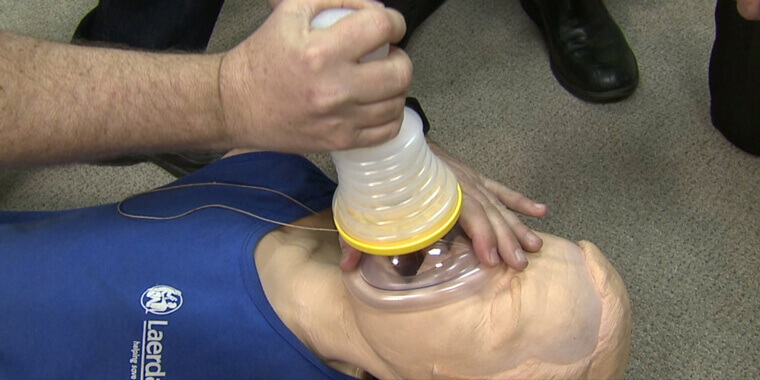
<point>566,315</point>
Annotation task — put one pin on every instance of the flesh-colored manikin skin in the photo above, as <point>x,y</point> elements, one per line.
<point>567,315</point>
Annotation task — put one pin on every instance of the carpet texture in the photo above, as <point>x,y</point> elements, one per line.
<point>673,205</point>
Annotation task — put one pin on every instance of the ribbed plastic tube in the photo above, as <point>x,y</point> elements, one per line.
<point>397,197</point>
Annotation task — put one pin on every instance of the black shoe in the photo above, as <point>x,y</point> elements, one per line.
<point>735,78</point>
<point>177,164</point>
<point>589,54</point>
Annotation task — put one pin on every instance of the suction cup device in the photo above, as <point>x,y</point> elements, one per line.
<point>395,198</point>
<point>395,201</point>
<point>447,259</point>
<point>442,273</point>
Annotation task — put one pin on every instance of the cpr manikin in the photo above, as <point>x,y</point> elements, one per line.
<point>566,316</point>
<point>248,299</point>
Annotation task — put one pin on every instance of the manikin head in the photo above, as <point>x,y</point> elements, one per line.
<point>566,316</point>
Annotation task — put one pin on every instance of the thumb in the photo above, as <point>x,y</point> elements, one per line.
<point>349,257</point>
<point>749,9</point>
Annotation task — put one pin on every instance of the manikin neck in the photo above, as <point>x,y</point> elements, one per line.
<point>301,279</point>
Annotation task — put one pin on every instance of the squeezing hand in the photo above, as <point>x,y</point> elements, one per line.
<point>289,88</point>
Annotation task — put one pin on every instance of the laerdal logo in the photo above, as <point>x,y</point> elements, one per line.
<point>158,300</point>
<point>161,300</point>
<point>152,348</point>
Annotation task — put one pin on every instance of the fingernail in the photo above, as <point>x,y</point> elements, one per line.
<point>533,237</point>
<point>520,256</point>
<point>494,257</point>
<point>343,256</point>
<point>540,205</point>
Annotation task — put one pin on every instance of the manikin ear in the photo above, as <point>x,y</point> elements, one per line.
<point>611,356</point>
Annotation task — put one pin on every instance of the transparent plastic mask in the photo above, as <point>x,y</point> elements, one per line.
<point>442,273</point>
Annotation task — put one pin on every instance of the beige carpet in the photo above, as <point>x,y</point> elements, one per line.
<point>649,180</point>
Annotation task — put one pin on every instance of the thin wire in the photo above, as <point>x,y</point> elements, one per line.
<point>216,205</point>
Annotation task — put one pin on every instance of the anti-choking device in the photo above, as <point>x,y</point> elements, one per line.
<point>395,201</point>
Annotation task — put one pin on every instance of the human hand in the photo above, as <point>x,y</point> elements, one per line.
<point>488,218</point>
<point>290,88</point>
<point>749,9</point>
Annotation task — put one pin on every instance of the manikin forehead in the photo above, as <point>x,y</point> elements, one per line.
<point>550,312</point>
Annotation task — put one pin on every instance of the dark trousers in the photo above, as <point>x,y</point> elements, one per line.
<point>187,25</point>
<point>151,24</point>
<point>735,78</point>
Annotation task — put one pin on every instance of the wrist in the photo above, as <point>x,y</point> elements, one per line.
<point>228,99</point>
<point>160,102</point>
<point>222,139</point>
<point>242,109</point>
<point>198,96</point>
<point>165,103</point>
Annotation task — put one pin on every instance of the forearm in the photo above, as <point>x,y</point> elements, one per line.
<point>64,103</point>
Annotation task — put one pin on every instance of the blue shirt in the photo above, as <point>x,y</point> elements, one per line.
<point>90,293</point>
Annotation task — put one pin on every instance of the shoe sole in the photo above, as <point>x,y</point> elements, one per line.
<point>579,92</point>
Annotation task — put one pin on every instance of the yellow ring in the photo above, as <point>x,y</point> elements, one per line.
<point>410,245</point>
